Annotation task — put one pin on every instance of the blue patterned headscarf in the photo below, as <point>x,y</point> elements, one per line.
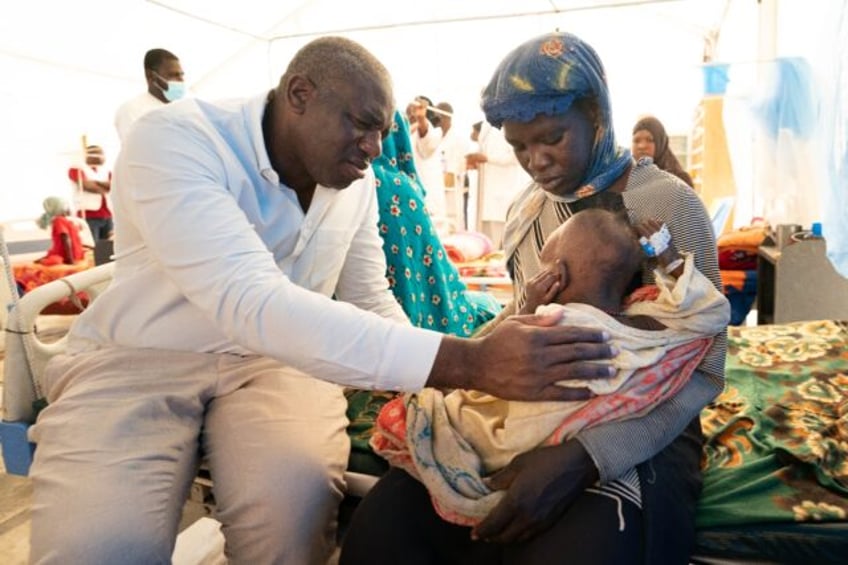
<point>545,76</point>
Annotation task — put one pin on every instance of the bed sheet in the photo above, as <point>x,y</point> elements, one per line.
<point>777,438</point>
<point>775,460</point>
<point>30,275</point>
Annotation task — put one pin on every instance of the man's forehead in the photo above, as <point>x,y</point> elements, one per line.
<point>369,97</point>
<point>170,65</point>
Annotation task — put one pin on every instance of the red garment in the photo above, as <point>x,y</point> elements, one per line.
<point>103,211</point>
<point>63,225</point>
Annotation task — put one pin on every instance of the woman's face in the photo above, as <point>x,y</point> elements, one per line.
<point>643,144</point>
<point>554,150</point>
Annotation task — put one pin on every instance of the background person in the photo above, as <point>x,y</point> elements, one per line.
<point>453,150</point>
<point>91,186</point>
<point>165,84</point>
<point>426,142</point>
<point>499,178</point>
<point>650,140</point>
<point>424,281</point>
<point>65,242</point>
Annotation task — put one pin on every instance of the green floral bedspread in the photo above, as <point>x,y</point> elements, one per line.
<point>777,438</point>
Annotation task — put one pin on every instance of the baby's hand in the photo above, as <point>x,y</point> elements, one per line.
<point>541,289</point>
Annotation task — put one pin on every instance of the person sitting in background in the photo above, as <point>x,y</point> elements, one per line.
<point>92,184</point>
<point>165,84</point>
<point>650,140</point>
<point>66,246</point>
<point>451,441</point>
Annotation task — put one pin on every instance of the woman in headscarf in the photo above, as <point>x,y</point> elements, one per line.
<point>66,245</point>
<point>622,492</point>
<point>651,140</point>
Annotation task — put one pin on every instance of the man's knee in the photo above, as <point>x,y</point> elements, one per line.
<point>101,539</point>
<point>298,483</point>
<point>292,488</point>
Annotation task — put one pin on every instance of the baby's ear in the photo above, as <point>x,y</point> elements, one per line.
<point>562,272</point>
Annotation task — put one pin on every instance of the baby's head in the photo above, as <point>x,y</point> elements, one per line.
<point>600,251</point>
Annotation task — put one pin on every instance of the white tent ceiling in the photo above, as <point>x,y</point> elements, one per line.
<point>67,64</point>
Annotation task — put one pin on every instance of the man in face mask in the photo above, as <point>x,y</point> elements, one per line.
<point>165,84</point>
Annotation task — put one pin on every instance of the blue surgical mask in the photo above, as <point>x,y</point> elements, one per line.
<point>176,89</point>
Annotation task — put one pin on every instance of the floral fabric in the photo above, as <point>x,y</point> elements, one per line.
<point>420,274</point>
<point>777,438</point>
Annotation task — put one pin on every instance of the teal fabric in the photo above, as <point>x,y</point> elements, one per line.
<point>424,281</point>
<point>422,278</point>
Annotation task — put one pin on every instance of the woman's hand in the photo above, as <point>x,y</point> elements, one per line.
<point>540,486</point>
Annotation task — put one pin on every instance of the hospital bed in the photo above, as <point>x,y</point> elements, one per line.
<point>26,356</point>
<point>775,463</point>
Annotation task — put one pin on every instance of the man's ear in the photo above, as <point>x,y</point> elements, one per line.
<point>150,77</point>
<point>298,93</point>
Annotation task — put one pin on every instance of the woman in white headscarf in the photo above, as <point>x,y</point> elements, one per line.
<point>66,245</point>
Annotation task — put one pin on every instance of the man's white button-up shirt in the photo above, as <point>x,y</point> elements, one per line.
<point>214,255</point>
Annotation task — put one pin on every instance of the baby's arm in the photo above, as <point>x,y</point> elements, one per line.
<point>687,300</point>
<point>669,260</point>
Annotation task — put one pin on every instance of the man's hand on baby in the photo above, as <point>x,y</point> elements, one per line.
<point>527,355</point>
